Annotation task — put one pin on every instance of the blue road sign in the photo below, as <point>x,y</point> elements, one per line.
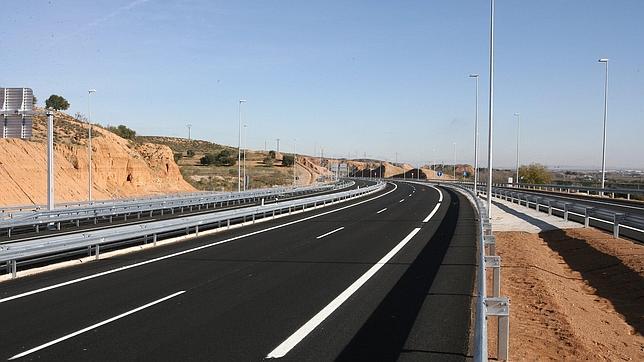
<point>439,173</point>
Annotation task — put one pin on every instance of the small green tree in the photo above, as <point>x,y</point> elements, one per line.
<point>271,154</point>
<point>224,158</point>
<point>207,159</point>
<point>178,156</point>
<point>288,160</point>
<point>56,102</point>
<point>190,153</point>
<point>535,174</point>
<point>123,131</point>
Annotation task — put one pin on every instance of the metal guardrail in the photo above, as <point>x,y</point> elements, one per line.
<point>620,223</point>
<point>612,192</point>
<point>25,251</point>
<point>486,306</point>
<point>36,219</point>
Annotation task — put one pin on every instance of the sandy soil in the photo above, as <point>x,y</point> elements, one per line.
<point>575,294</point>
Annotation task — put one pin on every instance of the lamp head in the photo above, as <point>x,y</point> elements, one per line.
<point>603,60</point>
<point>91,91</point>
<point>474,75</point>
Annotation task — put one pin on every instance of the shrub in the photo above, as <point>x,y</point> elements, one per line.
<point>178,156</point>
<point>271,154</point>
<point>223,158</point>
<point>268,161</point>
<point>288,160</point>
<point>535,174</point>
<point>123,131</point>
<point>190,153</point>
<point>56,102</point>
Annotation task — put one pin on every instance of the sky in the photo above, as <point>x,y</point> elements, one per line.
<point>385,79</point>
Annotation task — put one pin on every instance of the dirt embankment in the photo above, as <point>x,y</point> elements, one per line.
<point>576,294</point>
<point>121,168</point>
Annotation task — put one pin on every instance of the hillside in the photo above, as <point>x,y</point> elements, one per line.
<point>121,168</point>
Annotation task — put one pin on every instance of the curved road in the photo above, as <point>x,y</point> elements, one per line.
<point>389,276</point>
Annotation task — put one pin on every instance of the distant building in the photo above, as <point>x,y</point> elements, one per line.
<point>16,112</point>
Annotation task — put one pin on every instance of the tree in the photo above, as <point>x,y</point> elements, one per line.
<point>223,158</point>
<point>288,160</point>
<point>178,156</point>
<point>190,153</point>
<point>123,131</point>
<point>271,154</point>
<point>56,102</point>
<point>535,174</point>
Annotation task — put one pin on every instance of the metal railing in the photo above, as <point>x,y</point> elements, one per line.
<point>611,192</point>
<point>583,211</point>
<point>138,207</point>
<point>20,253</point>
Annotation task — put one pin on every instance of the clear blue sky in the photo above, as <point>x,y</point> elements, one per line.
<point>374,77</point>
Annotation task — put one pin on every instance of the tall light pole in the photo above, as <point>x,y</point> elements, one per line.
<point>50,160</point>
<point>454,161</point>
<point>476,135</point>
<point>239,149</point>
<point>518,135</point>
<point>294,161</point>
<point>245,143</point>
<point>89,144</point>
<point>490,115</point>
<point>189,126</point>
<point>605,61</point>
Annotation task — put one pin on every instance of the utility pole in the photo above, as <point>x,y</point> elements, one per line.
<point>189,127</point>
<point>278,145</point>
<point>454,161</point>
<point>50,160</point>
<point>239,149</point>
<point>89,144</point>
<point>518,135</point>
<point>490,115</point>
<point>245,143</point>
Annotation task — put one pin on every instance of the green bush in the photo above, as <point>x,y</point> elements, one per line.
<point>288,160</point>
<point>535,174</point>
<point>190,153</point>
<point>268,161</point>
<point>223,158</point>
<point>271,154</point>
<point>56,102</point>
<point>123,131</point>
<point>178,156</point>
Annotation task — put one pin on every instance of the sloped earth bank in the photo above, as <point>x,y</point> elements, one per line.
<point>575,294</point>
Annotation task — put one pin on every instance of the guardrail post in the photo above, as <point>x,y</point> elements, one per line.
<point>617,219</point>
<point>494,262</point>
<point>14,267</point>
<point>490,242</point>
<point>549,207</point>
<point>536,203</point>
<point>500,307</point>
<point>587,211</point>
<point>228,224</point>
<point>253,218</point>
<point>196,230</point>
<point>566,211</point>
<point>154,239</point>
<point>98,250</point>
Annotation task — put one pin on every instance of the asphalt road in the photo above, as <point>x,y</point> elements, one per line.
<point>389,276</point>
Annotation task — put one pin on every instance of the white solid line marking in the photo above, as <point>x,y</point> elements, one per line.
<point>401,200</point>
<point>126,267</point>
<point>93,326</point>
<point>381,210</point>
<point>409,195</point>
<point>330,232</point>
<point>309,326</point>
<point>432,213</point>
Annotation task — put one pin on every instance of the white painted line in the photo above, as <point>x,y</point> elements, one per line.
<point>432,213</point>
<point>409,195</point>
<point>126,267</point>
<point>381,210</point>
<point>330,232</point>
<point>309,326</point>
<point>401,200</point>
<point>93,326</point>
<point>440,193</point>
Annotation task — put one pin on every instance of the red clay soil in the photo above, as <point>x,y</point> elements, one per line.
<point>575,294</point>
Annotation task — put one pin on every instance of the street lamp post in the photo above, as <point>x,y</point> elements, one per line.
<point>294,162</point>
<point>239,149</point>
<point>476,135</point>
<point>89,144</point>
<point>490,118</point>
<point>605,61</point>
<point>50,160</point>
<point>518,136</point>
<point>189,126</point>
<point>454,161</point>
<point>245,143</point>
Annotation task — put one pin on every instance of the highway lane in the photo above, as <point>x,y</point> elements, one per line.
<point>241,299</point>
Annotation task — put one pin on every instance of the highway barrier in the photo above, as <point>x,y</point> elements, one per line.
<point>33,251</point>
